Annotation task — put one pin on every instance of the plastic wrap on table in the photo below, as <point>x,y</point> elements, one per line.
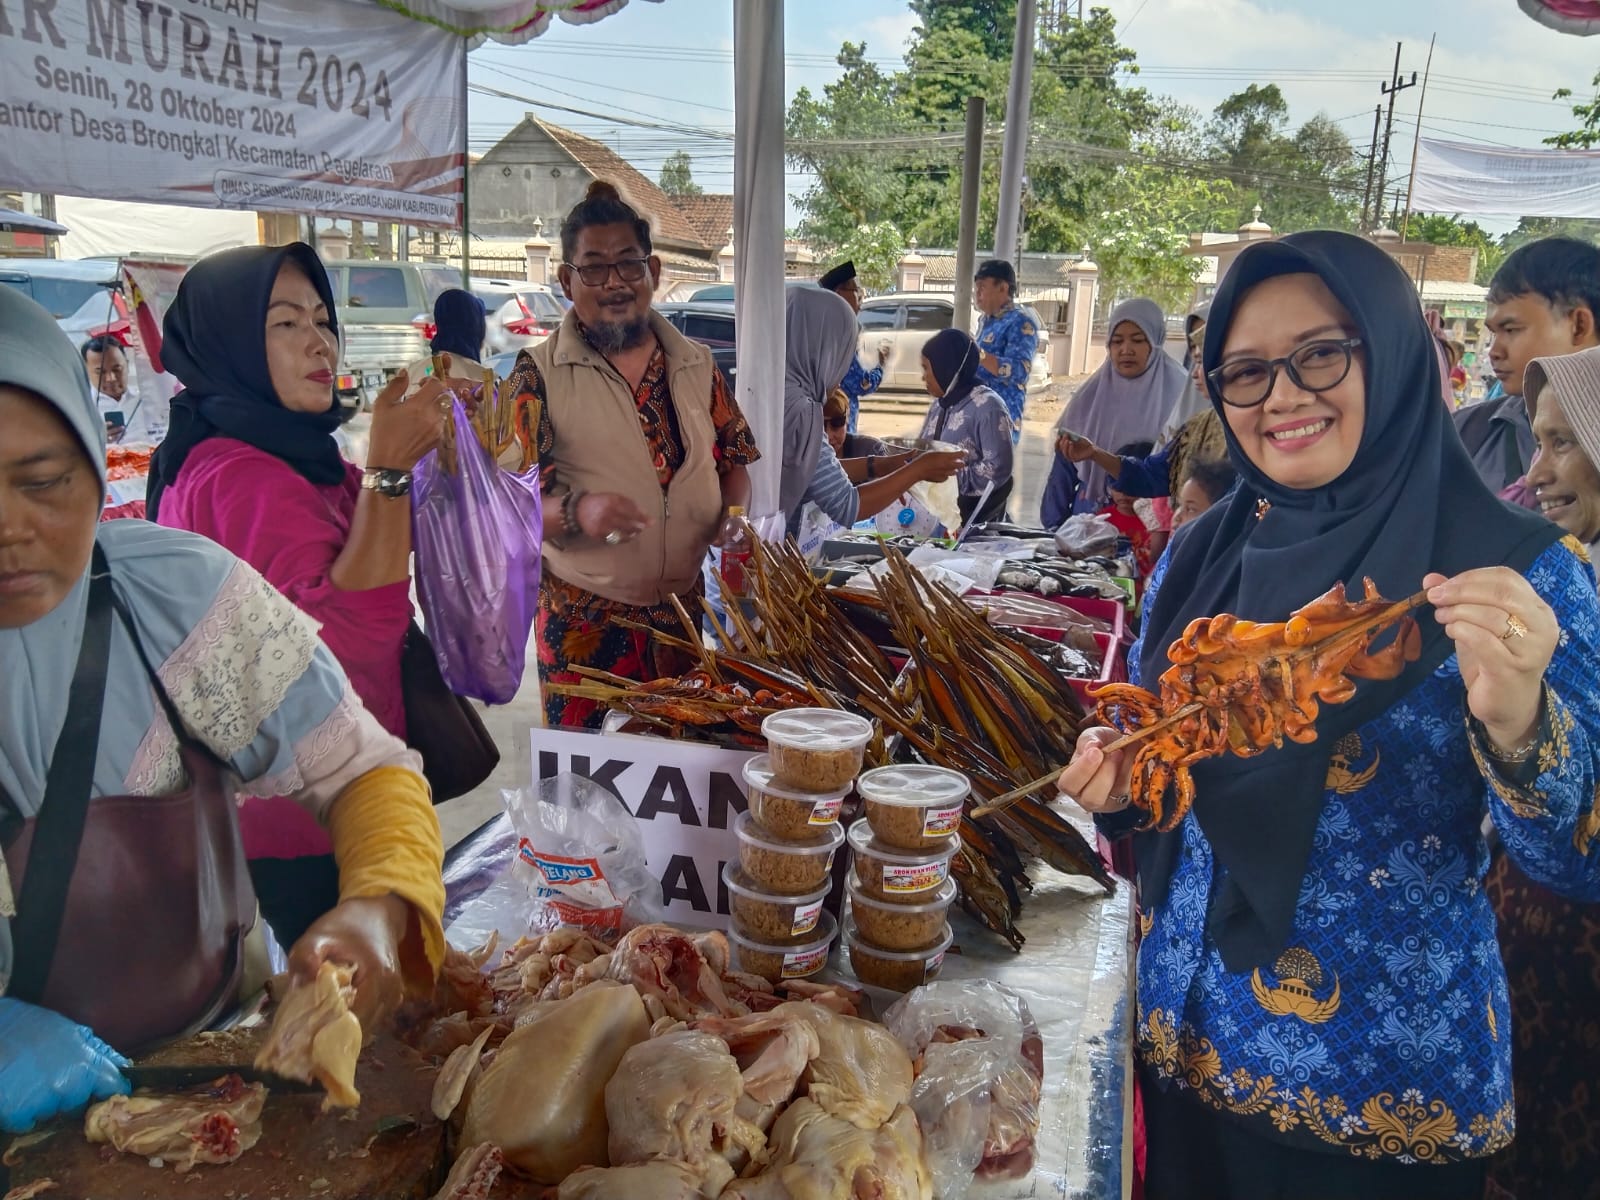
<point>1085,535</point>
<point>580,860</point>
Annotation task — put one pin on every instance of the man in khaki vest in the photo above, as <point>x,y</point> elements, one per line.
<point>641,452</point>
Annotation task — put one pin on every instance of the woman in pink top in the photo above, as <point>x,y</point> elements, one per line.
<point>251,463</point>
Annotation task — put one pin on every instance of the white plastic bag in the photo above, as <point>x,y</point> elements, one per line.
<point>980,1071</point>
<point>1086,535</point>
<point>580,861</point>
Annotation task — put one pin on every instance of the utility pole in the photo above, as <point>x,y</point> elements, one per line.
<point>1416,141</point>
<point>1015,148</point>
<point>1372,167</point>
<point>1393,88</point>
<point>967,237</point>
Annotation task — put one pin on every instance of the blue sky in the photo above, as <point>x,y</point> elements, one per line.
<point>671,63</point>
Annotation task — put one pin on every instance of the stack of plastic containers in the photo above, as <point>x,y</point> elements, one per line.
<point>788,840</point>
<point>900,887</point>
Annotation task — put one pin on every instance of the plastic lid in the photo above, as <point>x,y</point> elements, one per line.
<point>737,881</point>
<point>853,935</point>
<point>758,774</point>
<point>862,842</point>
<point>827,930</point>
<point>942,898</point>
<point>914,785</point>
<point>817,729</point>
<point>826,842</point>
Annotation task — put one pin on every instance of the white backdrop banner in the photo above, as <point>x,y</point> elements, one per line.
<point>338,107</point>
<point>1460,177</point>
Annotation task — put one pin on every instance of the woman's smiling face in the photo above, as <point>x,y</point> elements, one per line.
<point>1299,439</point>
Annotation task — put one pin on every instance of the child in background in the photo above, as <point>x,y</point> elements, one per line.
<point>1209,480</point>
<point>1146,540</point>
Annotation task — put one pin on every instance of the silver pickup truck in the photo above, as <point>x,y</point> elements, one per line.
<point>384,308</point>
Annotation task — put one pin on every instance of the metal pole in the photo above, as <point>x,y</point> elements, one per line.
<point>1391,89</point>
<point>1416,141</point>
<point>967,239</point>
<point>466,172</point>
<point>1372,167</point>
<point>1015,149</point>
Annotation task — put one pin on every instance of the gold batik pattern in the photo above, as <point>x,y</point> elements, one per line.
<point>1410,1127</point>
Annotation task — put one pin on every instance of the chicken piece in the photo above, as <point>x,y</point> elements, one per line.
<point>815,1156</point>
<point>655,1180</point>
<point>315,1036</point>
<point>29,1191</point>
<point>846,1001</point>
<point>476,1171</point>
<point>454,1076</point>
<point>443,1037</point>
<point>543,1099</point>
<point>773,1049</point>
<point>673,1097</point>
<point>673,969</point>
<point>215,1124</point>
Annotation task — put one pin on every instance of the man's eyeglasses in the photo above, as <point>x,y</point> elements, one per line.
<point>1315,367</point>
<point>629,270</point>
<point>838,422</point>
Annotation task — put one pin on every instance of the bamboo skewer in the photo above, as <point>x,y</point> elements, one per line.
<point>1332,642</point>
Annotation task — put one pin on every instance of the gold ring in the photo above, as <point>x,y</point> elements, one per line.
<point>1514,628</point>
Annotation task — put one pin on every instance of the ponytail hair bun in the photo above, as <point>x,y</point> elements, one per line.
<point>602,204</point>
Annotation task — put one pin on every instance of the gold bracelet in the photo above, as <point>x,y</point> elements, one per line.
<point>1515,756</point>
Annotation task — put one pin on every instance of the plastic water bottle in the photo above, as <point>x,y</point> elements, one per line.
<point>736,552</point>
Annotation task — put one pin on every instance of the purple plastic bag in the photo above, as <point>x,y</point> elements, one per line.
<point>476,535</point>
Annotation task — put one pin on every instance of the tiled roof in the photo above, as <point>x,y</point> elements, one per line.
<point>667,223</point>
<point>1035,271</point>
<point>710,214</point>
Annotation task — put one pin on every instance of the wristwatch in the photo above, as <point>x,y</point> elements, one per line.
<point>386,481</point>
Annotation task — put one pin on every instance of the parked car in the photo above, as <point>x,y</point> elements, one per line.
<point>723,292</point>
<point>83,295</point>
<point>520,314</point>
<point>385,319</point>
<point>906,320</point>
<point>710,324</point>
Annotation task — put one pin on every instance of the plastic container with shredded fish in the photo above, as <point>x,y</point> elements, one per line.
<point>767,917</point>
<point>785,813</point>
<point>787,868</point>
<point>899,876</point>
<point>775,963</point>
<point>896,970</point>
<point>816,750</point>
<point>914,806</point>
<point>897,926</point>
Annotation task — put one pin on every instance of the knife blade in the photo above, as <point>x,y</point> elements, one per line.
<point>176,1079</point>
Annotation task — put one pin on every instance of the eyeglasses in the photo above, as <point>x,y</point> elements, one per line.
<point>629,270</point>
<point>838,422</point>
<point>1315,367</point>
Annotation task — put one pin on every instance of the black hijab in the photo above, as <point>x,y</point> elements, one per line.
<point>1410,503</point>
<point>214,341</point>
<point>954,357</point>
<point>460,323</point>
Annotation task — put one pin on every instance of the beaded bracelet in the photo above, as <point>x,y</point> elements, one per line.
<point>569,515</point>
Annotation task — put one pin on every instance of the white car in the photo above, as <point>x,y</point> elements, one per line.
<point>906,320</point>
<point>520,314</point>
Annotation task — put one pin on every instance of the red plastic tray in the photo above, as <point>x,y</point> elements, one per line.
<point>1114,612</point>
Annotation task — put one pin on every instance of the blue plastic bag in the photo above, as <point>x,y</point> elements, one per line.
<point>476,532</point>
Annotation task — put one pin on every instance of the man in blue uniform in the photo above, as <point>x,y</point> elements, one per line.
<point>858,381</point>
<point>1007,338</point>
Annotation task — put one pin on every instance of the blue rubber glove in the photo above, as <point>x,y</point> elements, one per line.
<point>49,1066</point>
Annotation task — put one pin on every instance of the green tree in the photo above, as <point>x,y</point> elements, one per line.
<point>677,175</point>
<point>1528,229</point>
<point>1587,134</point>
<point>1307,179</point>
<point>1140,240</point>
<point>1438,229</point>
<point>993,22</point>
<point>876,250</point>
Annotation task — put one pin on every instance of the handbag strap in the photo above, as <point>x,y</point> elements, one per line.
<point>58,831</point>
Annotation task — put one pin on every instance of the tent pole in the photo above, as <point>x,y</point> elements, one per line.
<point>466,171</point>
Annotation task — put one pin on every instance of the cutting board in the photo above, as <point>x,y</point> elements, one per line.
<point>390,1149</point>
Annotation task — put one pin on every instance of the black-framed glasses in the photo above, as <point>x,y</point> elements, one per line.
<point>1314,367</point>
<point>629,270</point>
<point>838,422</point>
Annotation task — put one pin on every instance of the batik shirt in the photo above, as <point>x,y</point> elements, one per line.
<point>859,382</point>
<point>1009,335</point>
<point>1383,1029</point>
<point>979,425</point>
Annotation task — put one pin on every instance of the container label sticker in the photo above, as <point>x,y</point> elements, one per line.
<point>804,962</point>
<point>826,812</point>
<point>918,877</point>
<point>806,917</point>
<point>931,967</point>
<point>578,881</point>
<point>941,822</point>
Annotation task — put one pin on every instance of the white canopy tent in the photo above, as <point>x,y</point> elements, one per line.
<point>758,73</point>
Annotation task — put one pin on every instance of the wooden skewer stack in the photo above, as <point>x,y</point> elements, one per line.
<point>493,420</point>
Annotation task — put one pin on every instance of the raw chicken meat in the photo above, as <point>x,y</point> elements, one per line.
<point>859,1072</point>
<point>454,1076</point>
<point>656,1180</point>
<point>673,1097</point>
<point>315,1036</point>
<point>773,1050</point>
<point>212,1125</point>
<point>815,1156</point>
<point>474,1174</point>
<point>679,975</point>
<point>542,1100</point>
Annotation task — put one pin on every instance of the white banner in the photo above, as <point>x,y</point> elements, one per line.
<point>338,107</point>
<point>685,797</point>
<point>1475,180</point>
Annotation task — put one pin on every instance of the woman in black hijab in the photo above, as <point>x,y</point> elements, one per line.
<point>251,463</point>
<point>1322,1007</point>
<point>966,414</point>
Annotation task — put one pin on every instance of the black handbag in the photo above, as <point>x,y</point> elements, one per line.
<point>457,752</point>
